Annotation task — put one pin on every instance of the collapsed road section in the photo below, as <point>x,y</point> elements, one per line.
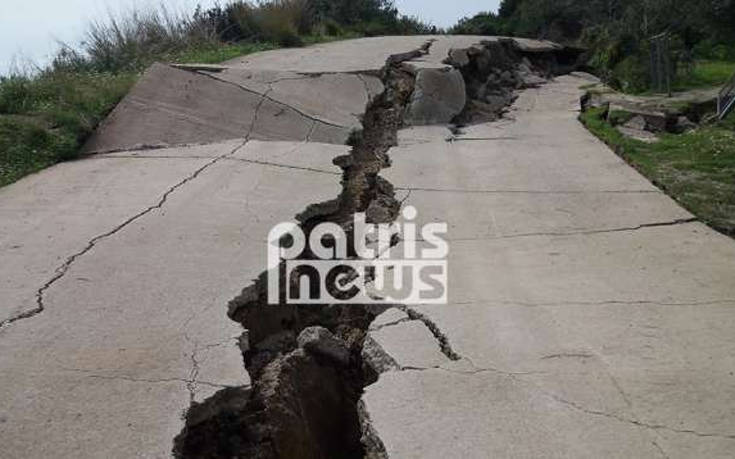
<point>310,363</point>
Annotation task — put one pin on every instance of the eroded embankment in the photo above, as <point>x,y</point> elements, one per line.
<point>493,73</point>
<point>306,361</point>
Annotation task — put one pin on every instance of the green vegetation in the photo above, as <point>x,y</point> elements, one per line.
<point>44,119</point>
<point>47,115</point>
<point>705,73</point>
<point>696,168</point>
<point>617,33</point>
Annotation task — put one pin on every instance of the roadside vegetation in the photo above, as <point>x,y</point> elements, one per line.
<point>616,35</point>
<point>696,168</point>
<point>47,114</point>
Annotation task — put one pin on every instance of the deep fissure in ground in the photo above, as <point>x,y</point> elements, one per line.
<point>305,360</point>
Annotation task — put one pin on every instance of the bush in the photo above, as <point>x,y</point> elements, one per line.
<point>332,28</point>
<point>133,42</point>
<point>481,24</point>
<point>283,21</point>
<point>712,50</point>
<point>631,74</point>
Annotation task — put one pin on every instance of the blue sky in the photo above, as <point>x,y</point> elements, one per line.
<point>30,29</point>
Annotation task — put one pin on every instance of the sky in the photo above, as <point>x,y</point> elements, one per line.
<point>443,13</point>
<point>31,29</point>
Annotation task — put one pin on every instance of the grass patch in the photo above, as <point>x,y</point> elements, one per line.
<point>696,168</point>
<point>214,54</point>
<point>705,74</point>
<point>44,119</point>
<point>618,117</point>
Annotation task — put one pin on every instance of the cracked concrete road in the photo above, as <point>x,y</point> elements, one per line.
<point>589,315</point>
<point>133,326</point>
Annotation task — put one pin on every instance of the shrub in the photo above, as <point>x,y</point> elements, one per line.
<point>481,24</point>
<point>133,42</point>
<point>712,50</point>
<point>331,28</point>
<point>283,21</point>
<point>631,74</point>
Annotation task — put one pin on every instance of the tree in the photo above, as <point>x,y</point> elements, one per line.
<point>481,24</point>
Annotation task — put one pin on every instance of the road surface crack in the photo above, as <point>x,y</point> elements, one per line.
<point>285,166</point>
<point>61,271</point>
<point>440,337</point>
<point>490,303</point>
<point>93,375</point>
<point>625,229</point>
<point>549,192</point>
<point>635,422</point>
<point>298,397</point>
<point>265,96</point>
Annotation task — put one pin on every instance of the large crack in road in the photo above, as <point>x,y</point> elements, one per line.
<point>307,362</point>
<point>304,403</point>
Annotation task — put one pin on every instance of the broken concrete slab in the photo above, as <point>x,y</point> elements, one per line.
<point>368,55</point>
<point>335,98</point>
<point>410,344</point>
<point>174,106</point>
<point>439,96</point>
<point>198,104</point>
<point>528,45</point>
<point>113,345</point>
<point>392,316</point>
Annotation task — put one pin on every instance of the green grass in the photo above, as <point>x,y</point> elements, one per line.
<point>213,54</point>
<point>618,117</point>
<point>705,74</point>
<point>44,119</point>
<point>696,168</point>
<point>216,53</point>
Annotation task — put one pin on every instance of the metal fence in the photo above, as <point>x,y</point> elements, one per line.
<point>661,68</point>
<point>726,98</point>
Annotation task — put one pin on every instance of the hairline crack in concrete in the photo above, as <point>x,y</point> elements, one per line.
<point>61,271</point>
